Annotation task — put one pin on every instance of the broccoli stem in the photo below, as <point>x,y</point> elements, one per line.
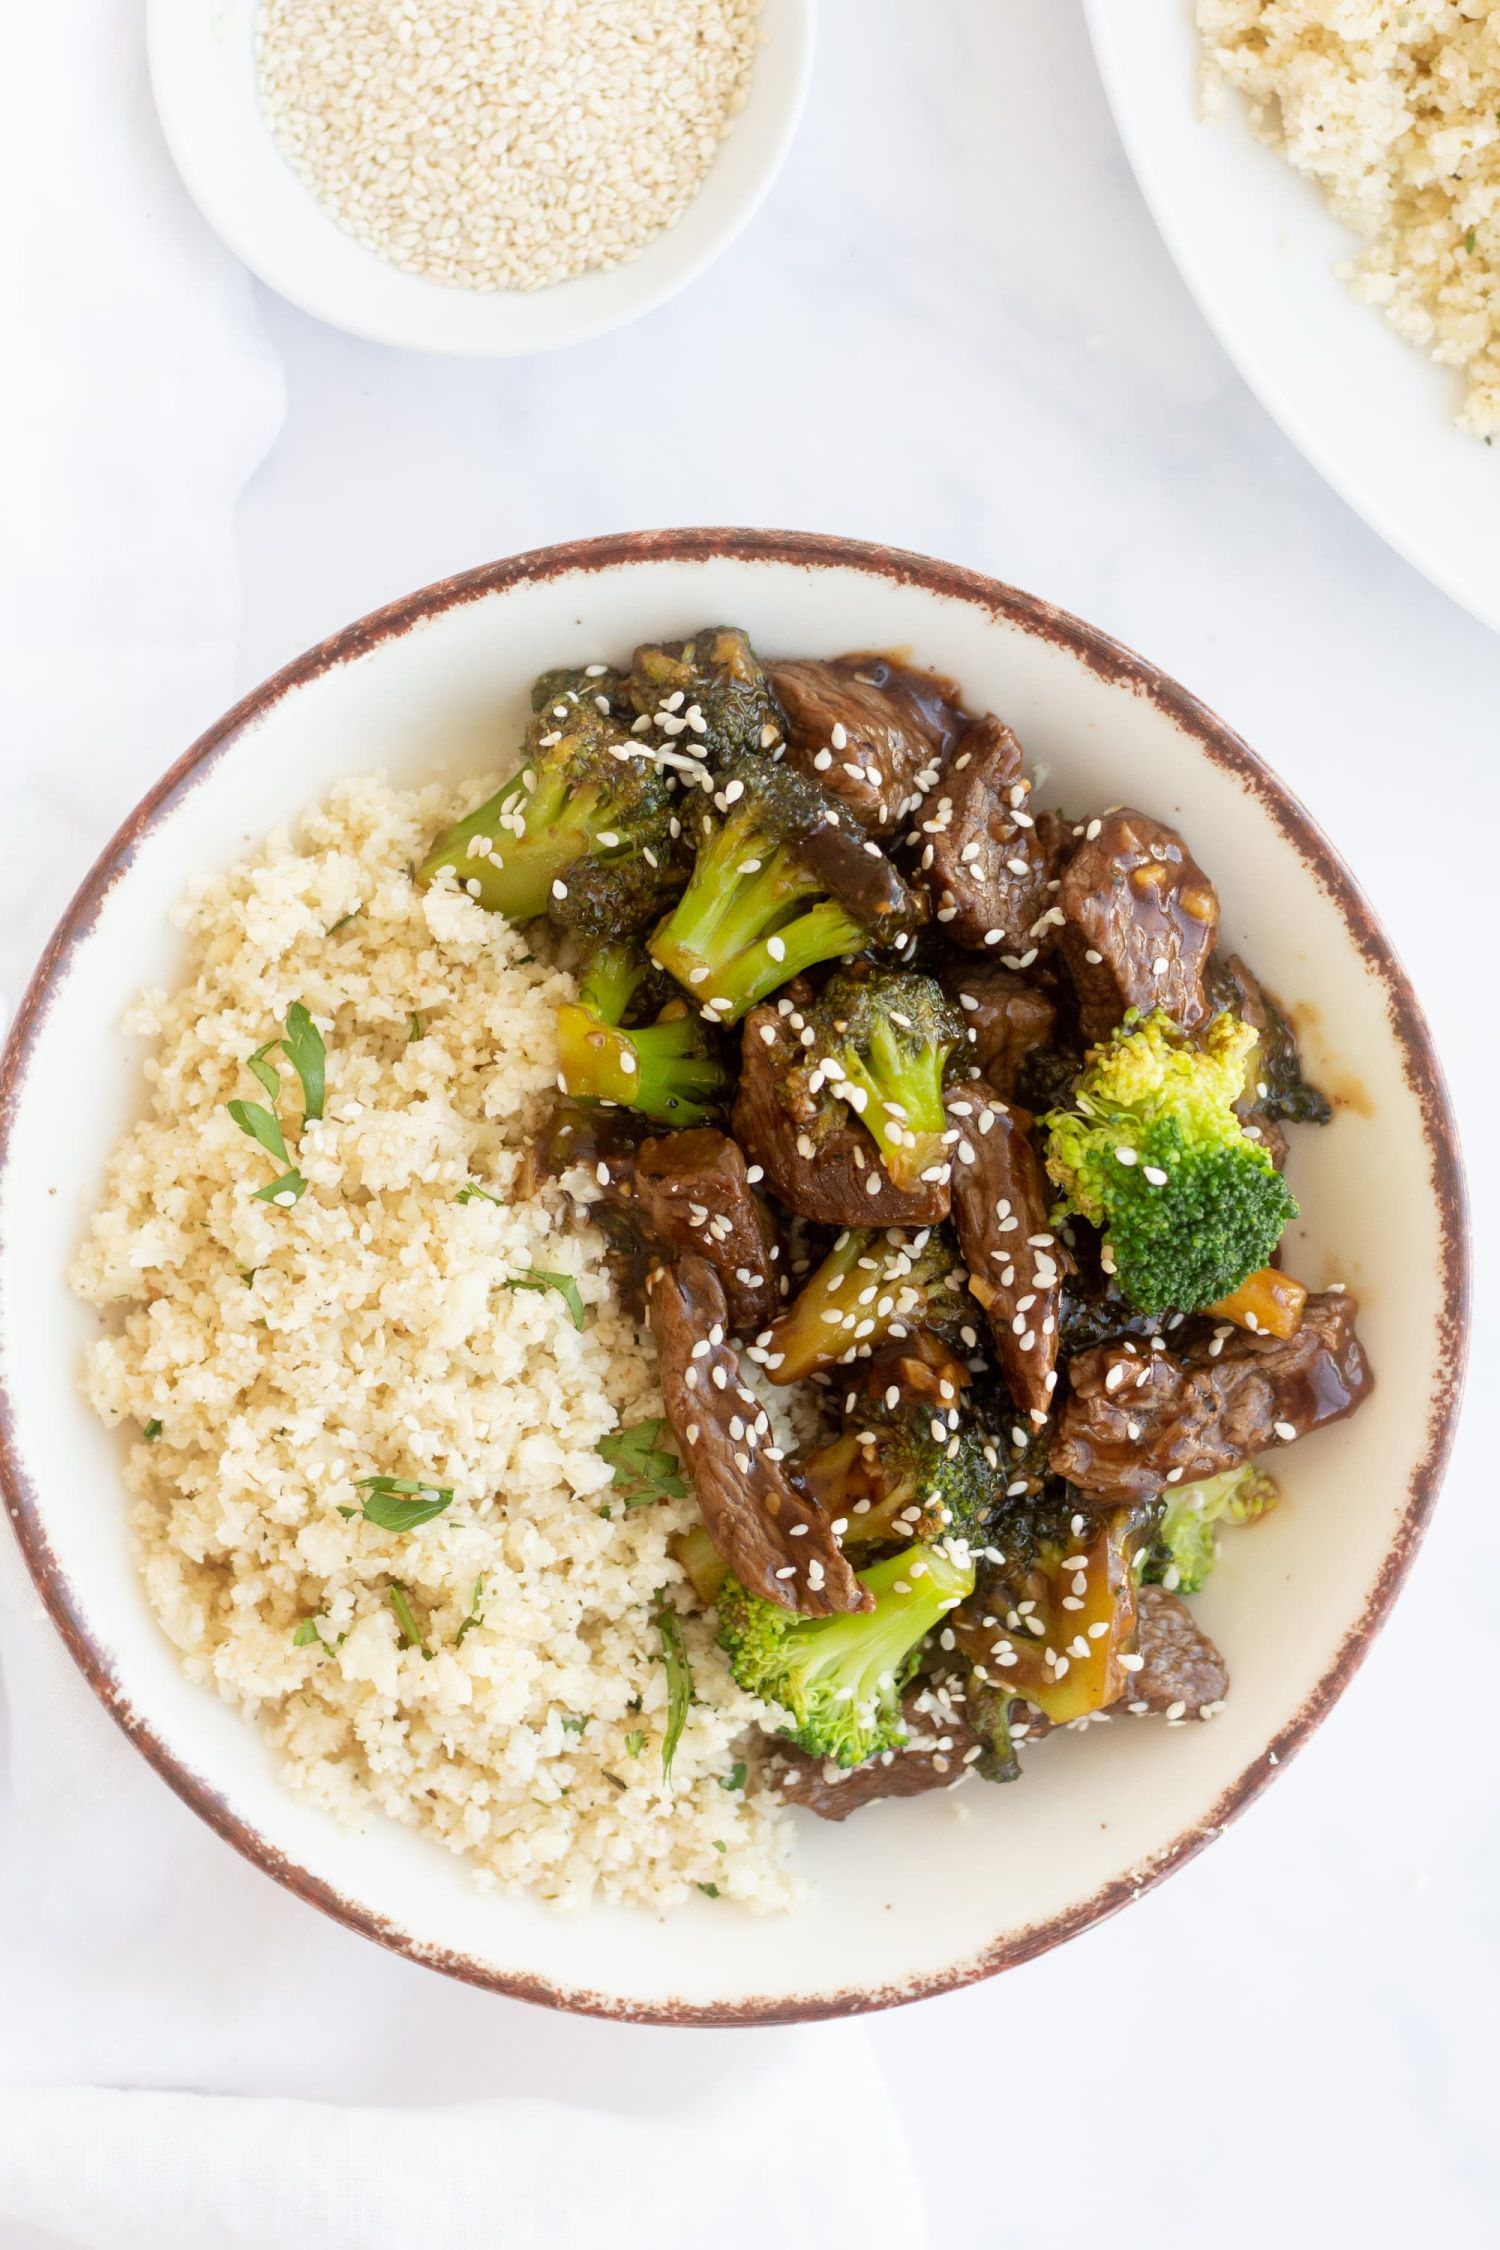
<point>516,874</point>
<point>659,1070</point>
<point>735,936</point>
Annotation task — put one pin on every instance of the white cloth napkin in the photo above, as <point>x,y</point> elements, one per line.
<point>189,2057</point>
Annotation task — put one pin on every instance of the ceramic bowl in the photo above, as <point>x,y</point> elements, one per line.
<point>434,683</point>
<point>204,80</point>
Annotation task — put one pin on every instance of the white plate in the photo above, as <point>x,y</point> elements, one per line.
<point>1257,246</point>
<point>433,684</point>
<point>203,76</point>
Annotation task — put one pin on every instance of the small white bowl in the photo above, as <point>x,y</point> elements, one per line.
<point>204,78</point>
<point>431,685</point>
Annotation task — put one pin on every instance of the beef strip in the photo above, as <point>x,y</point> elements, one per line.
<point>816,1155</point>
<point>777,1542</point>
<point>984,865</point>
<point>693,1194</point>
<point>896,728</point>
<point>1000,1205</point>
<point>911,1772</point>
<point>1181,1664</point>
<point>1006,1018</point>
<point>1139,920</point>
<point>1134,1416</point>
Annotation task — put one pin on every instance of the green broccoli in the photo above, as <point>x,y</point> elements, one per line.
<point>709,695</point>
<point>1186,1545</point>
<point>915,1469</point>
<point>987,1709</point>
<point>876,1283</point>
<point>663,1069</point>
<point>888,1037</point>
<point>1154,1155</point>
<point>1053,1617</point>
<point>780,883</point>
<point>839,1679</point>
<point>586,833</point>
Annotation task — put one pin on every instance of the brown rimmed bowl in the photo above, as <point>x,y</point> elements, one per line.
<point>434,683</point>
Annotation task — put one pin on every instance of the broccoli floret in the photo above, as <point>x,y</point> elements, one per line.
<point>583,833</point>
<point>607,690</point>
<point>1186,1546</point>
<point>1155,1156</point>
<point>916,1469</point>
<point>889,1036</point>
<point>662,1069</point>
<point>759,908</point>
<point>1051,1620</point>
<point>708,695</point>
<point>875,1284</point>
<point>839,1679</point>
<point>987,1709</point>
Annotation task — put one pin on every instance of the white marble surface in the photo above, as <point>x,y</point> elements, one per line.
<point>954,329</point>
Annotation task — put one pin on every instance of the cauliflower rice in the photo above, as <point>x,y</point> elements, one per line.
<point>367,1331</point>
<point>1393,106</point>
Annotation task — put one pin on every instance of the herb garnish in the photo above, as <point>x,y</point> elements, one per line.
<point>563,1283</point>
<point>645,1471</point>
<point>302,1045</point>
<point>473,1617</point>
<point>418,1028</point>
<point>152,1431</point>
<point>471,1190</point>
<point>406,1624</point>
<point>635,1741</point>
<point>399,1504</point>
<point>674,1656</point>
<point>735,1778</point>
<point>343,918</point>
<point>304,1050</point>
<point>1470,240</point>
<point>306,1633</point>
<point>709,1890</point>
<point>572,1724</point>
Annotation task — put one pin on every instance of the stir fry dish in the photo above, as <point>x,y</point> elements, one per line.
<point>938,1115</point>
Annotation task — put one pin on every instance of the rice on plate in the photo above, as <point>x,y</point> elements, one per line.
<point>1394,109</point>
<point>496,1677</point>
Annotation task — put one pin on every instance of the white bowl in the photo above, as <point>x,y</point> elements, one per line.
<point>432,684</point>
<point>204,78</point>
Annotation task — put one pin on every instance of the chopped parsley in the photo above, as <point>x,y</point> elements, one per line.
<point>304,1050</point>
<point>635,1741</point>
<point>400,1601</point>
<point>735,1778</point>
<point>152,1431</point>
<point>418,1028</point>
<point>563,1283</point>
<point>471,1190</point>
<point>399,1504</point>
<point>306,1634</point>
<point>1470,239</point>
<point>302,1044</point>
<point>644,1471</point>
<point>572,1724</point>
<point>674,1656</point>
<point>473,1617</point>
<point>709,1890</point>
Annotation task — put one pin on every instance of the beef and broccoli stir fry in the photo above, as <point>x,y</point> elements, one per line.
<point>942,1106</point>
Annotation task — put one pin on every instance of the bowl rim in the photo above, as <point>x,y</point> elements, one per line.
<point>1112,662</point>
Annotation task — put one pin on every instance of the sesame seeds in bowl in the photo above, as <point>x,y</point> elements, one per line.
<point>499,179</point>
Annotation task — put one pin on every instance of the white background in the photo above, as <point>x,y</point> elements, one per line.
<point>952,328</point>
